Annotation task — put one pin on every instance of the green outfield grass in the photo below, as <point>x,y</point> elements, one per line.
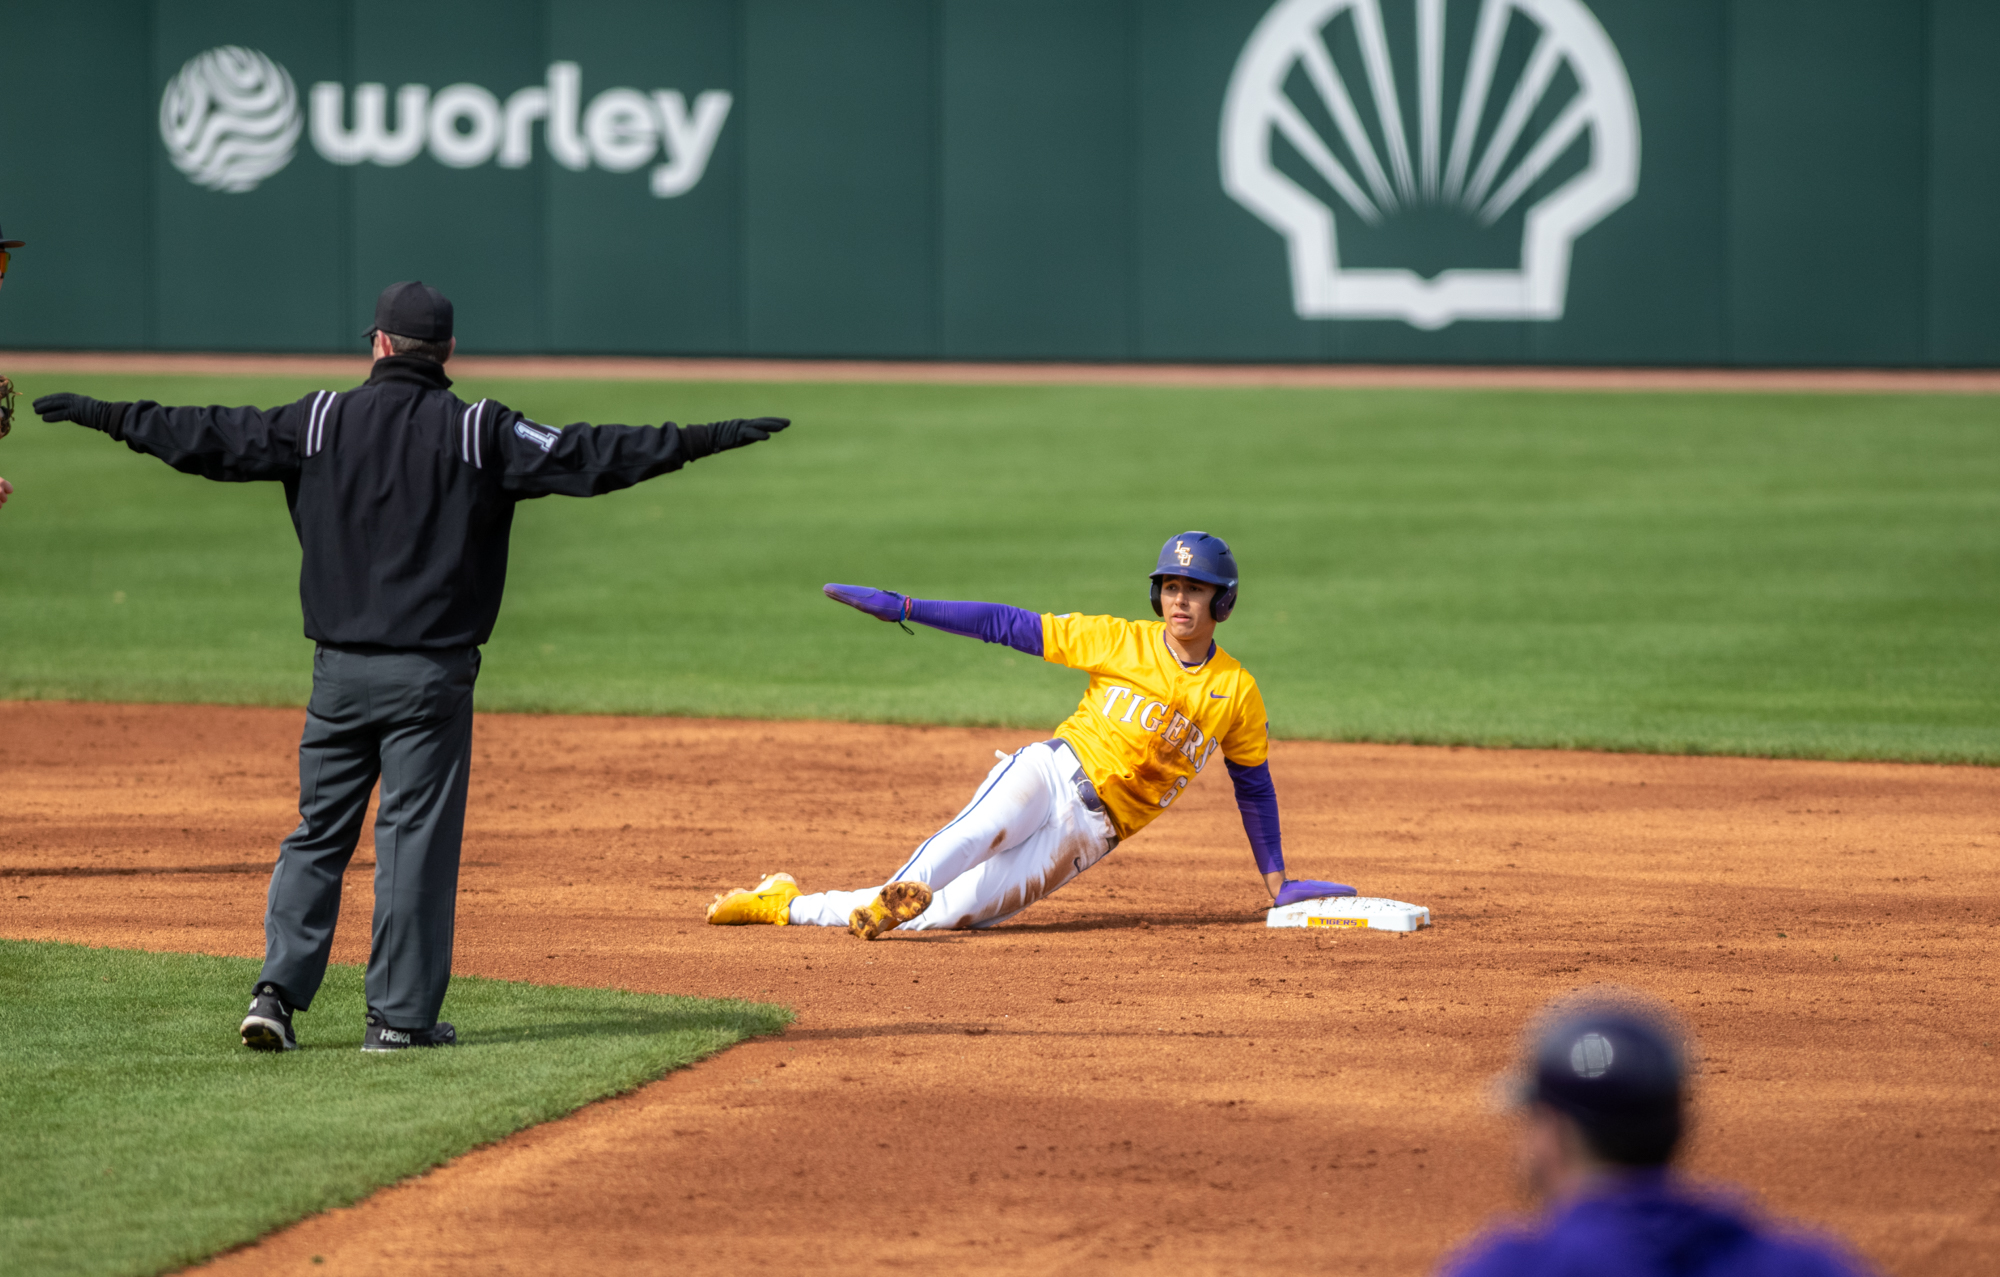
<point>1762,574</point>
<point>138,1136</point>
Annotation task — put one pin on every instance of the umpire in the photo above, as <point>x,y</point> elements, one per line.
<point>402,495</point>
<point>1602,1112</point>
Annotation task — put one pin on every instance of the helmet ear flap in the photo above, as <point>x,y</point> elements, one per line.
<point>1224,604</point>
<point>1157,609</point>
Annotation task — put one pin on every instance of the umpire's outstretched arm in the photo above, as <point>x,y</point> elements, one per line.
<point>232,445</point>
<point>402,494</point>
<point>249,444</point>
<point>584,460</point>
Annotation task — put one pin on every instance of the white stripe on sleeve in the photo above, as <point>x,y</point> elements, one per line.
<point>470,422</point>
<point>325,416</point>
<point>316,420</point>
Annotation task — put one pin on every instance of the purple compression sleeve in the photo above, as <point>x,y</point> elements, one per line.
<point>1017,627</point>
<point>1257,799</point>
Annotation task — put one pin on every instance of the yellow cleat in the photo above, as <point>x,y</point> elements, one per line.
<point>892,906</point>
<point>768,902</point>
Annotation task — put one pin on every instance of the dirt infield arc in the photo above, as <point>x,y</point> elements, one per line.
<point>1139,1075</point>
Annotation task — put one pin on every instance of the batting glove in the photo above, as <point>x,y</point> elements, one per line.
<point>721,436</point>
<point>1301,889</point>
<point>883,605</point>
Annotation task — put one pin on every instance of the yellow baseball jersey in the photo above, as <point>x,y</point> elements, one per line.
<point>1147,726</point>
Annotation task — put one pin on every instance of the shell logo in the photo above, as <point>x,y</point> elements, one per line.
<point>230,118</point>
<point>1530,120</point>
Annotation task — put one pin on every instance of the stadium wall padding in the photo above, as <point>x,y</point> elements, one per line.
<point>1818,182</point>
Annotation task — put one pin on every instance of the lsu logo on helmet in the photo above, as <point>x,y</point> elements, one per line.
<point>1181,552</point>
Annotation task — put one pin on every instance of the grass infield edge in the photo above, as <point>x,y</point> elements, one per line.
<point>197,1231</point>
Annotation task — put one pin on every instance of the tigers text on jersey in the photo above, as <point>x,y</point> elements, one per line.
<point>1147,726</point>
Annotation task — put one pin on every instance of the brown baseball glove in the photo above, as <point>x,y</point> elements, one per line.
<point>6,404</point>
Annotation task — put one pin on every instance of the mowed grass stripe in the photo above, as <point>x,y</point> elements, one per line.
<point>138,1136</point>
<point>1793,575</point>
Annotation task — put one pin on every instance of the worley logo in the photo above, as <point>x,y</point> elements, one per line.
<point>231,118</point>
<point>1430,160</point>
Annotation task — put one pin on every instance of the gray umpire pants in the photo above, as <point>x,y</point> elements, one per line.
<point>405,717</point>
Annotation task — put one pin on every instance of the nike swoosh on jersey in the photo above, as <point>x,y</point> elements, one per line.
<point>1217,696</point>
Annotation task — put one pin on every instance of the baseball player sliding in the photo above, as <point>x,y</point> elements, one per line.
<point>1163,701</point>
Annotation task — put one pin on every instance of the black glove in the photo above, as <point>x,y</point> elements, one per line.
<point>721,436</point>
<point>85,411</point>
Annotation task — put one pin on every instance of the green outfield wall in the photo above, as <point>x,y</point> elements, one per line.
<point>1757,182</point>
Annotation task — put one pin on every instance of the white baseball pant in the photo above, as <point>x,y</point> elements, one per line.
<point>1031,828</point>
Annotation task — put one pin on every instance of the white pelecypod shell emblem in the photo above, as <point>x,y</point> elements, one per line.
<point>1422,132</point>
<point>230,119</point>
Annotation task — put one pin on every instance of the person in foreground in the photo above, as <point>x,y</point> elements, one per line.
<point>1163,700</point>
<point>403,496</point>
<point>1602,1111</point>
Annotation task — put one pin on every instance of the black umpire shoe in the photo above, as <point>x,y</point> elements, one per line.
<point>380,1037</point>
<point>268,1027</point>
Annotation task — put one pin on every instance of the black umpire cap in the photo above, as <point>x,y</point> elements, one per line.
<point>1619,1075</point>
<point>412,309</point>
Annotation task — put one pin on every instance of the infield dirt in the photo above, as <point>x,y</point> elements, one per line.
<point>1138,1074</point>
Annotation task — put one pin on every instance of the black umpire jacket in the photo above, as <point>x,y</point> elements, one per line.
<point>402,494</point>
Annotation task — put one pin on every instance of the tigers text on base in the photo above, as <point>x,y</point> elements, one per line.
<point>1372,913</point>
